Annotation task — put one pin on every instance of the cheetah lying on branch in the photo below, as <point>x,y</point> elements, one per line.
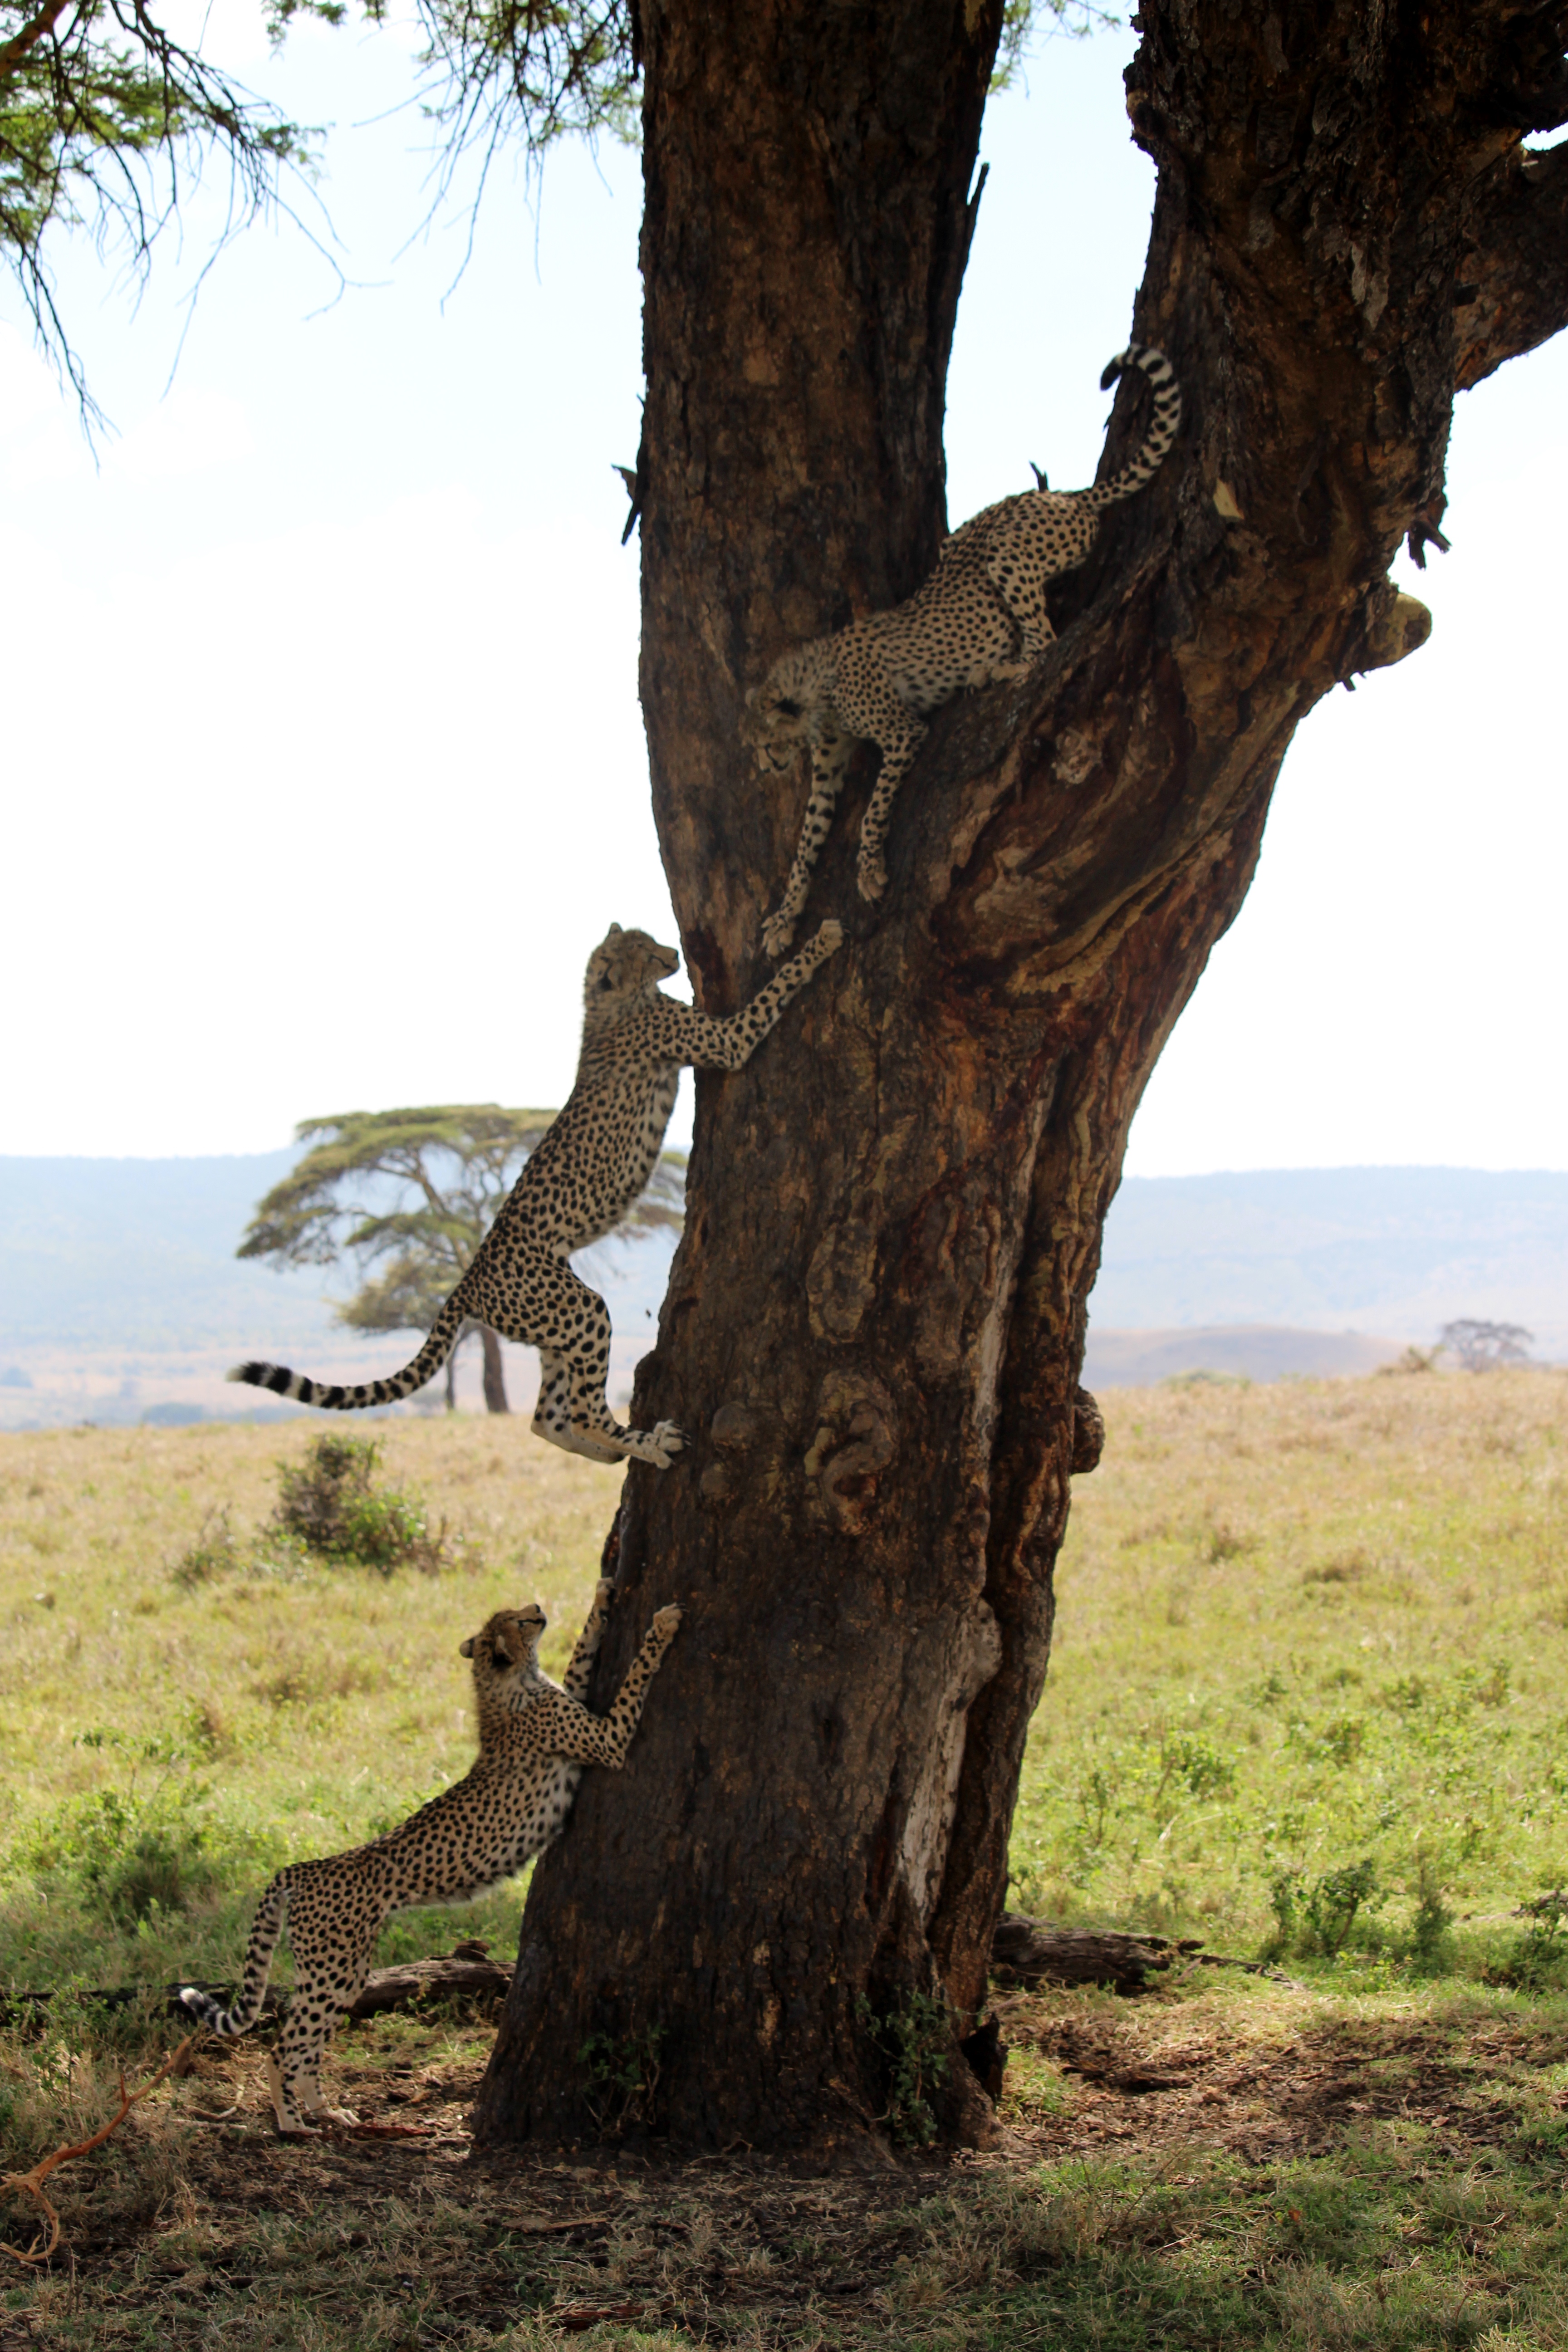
<point>535,1736</point>
<point>595,1157</point>
<point>981,617</point>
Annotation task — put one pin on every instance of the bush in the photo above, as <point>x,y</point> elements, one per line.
<point>1316,1916</point>
<point>331,1505</point>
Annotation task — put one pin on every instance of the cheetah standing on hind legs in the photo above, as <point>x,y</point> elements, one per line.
<point>979,619</point>
<point>535,1737</point>
<point>595,1157</point>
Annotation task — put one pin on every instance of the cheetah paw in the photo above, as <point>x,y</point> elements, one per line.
<point>665,1620</point>
<point>870,877</point>
<point>829,937</point>
<point>666,1440</point>
<point>777,934</point>
<point>603,1593</point>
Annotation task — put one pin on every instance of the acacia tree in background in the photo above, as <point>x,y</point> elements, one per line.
<point>411,1195</point>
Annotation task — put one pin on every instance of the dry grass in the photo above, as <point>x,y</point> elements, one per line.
<point>1374,2161</point>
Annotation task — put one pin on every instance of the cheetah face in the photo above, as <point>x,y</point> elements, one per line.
<point>623,966</point>
<point>775,725</point>
<point>508,1640</point>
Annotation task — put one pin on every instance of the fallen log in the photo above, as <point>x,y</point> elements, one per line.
<point>467,1973</point>
<point>1026,1951</point>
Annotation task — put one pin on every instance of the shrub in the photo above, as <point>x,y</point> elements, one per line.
<point>332,1503</point>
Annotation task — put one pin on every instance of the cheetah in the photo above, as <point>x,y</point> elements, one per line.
<point>594,1161</point>
<point>535,1736</point>
<point>980,618</point>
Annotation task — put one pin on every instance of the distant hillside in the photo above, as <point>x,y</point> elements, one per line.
<point>120,1292</point>
<point>1396,1251</point>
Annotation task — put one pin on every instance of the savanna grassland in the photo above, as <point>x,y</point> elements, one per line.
<point>1309,1703</point>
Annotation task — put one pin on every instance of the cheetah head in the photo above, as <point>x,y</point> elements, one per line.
<point>780,711</point>
<point>625,966</point>
<point>505,1642</point>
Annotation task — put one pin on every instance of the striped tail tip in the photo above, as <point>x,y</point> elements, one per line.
<point>201,2004</point>
<point>1113,369</point>
<point>276,1378</point>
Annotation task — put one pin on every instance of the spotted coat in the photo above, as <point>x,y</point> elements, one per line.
<point>980,618</point>
<point>593,1162</point>
<point>535,1737</point>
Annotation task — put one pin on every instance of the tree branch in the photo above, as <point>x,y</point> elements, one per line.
<point>27,38</point>
<point>1516,293</point>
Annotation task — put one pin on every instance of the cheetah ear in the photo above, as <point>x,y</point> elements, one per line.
<point>466,1648</point>
<point>614,930</point>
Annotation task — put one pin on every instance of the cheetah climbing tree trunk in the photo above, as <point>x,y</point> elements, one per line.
<point>876,1318</point>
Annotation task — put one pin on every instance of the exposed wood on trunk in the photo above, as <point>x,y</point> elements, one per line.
<point>876,1318</point>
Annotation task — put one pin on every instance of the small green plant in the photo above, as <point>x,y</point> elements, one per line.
<point>1316,1918</point>
<point>215,1553</point>
<point>333,1505</point>
<point>1538,1961</point>
<point>1429,1944</point>
<point>622,2077</point>
<point>128,1852</point>
<point>914,2038</point>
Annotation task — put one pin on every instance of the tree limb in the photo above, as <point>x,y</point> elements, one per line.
<point>1516,291</point>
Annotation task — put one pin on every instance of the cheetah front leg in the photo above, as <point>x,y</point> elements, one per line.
<point>901,737</point>
<point>829,760</point>
<point>576,1680</point>
<point>728,1044</point>
<point>567,1728</point>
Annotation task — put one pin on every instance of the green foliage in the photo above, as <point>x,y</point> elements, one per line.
<point>1315,1917</point>
<point>332,1503</point>
<point>215,1553</point>
<point>99,107</point>
<point>621,2078</point>
<point>914,2038</point>
<point>1382,1671</point>
<point>1538,1961</point>
<point>129,1851</point>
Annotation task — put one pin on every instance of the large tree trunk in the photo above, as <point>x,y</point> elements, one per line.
<point>876,1318</point>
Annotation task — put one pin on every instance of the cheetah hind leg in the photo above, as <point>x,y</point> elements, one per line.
<point>552,1414</point>
<point>298,2104</point>
<point>593,1423</point>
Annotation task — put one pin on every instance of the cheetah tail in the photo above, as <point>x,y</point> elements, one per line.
<point>265,1928</point>
<point>281,1381</point>
<point>1161,430</point>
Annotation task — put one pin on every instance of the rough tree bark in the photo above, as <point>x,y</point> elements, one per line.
<point>876,1320</point>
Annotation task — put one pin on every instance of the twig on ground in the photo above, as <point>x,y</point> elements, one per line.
<point>31,2184</point>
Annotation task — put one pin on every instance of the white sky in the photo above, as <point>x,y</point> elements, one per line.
<point>325,759</point>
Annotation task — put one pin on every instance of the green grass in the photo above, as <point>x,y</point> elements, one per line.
<point>1304,1629</point>
<point>189,1698</point>
<point>1312,1644</point>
